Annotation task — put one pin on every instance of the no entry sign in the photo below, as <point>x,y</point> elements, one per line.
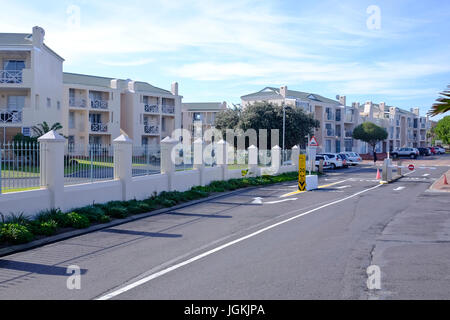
<point>411,167</point>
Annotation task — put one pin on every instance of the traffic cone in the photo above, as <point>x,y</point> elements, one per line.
<point>378,174</point>
<point>445,179</point>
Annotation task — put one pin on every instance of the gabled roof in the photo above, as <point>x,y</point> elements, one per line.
<point>16,39</point>
<point>271,93</point>
<point>147,87</point>
<point>82,79</point>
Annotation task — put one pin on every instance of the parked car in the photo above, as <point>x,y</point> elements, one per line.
<point>344,159</point>
<point>439,150</point>
<point>353,158</point>
<point>432,150</point>
<point>326,163</point>
<point>424,151</point>
<point>335,161</point>
<point>412,153</point>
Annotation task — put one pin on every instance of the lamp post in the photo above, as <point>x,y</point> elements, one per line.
<point>284,127</point>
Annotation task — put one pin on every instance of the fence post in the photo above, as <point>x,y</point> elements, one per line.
<point>198,160</point>
<point>123,164</point>
<point>167,165</point>
<point>295,155</point>
<point>222,158</point>
<point>52,167</point>
<point>253,161</point>
<point>276,159</point>
<point>1,166</point>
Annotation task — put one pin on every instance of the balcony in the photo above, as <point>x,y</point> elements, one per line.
<point>10,76</point>
<point>77,103</point>
<point>14,116</point>
<point>99,104</point>
<point>168,109</point>
<point>151,129</point>
<point>99,127</point>
<point>151,108</point>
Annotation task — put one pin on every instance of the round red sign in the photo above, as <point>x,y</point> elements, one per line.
<point>411,167</point>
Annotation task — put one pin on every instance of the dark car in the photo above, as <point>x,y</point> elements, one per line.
<point>424,151</point>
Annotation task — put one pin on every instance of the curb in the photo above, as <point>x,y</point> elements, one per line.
<point>67,235</point>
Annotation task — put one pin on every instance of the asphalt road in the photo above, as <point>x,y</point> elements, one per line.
<point>314,245</point>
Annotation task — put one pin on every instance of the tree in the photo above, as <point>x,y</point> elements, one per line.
<point>263,115</point>
<point>442,105</point>
<point>42,128</point>
<point>442,130</point>
<point>371,133</point>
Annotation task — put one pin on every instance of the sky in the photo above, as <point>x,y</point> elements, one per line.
<point>382,51</point>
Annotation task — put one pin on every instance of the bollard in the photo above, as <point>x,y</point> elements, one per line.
<point>321,166</point>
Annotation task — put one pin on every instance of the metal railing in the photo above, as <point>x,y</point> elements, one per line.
<point>11,76</point>
<point>152,108</point>
<point>99,127</point>
<point>77,103</point>
<point>286,157</point>
<point>146,160</point>
<point>14,116</point>
<point>149,129</point>
<point>87,163</point>
<point>19,166</point>
<point>99,104</point>
<point>348,134</point>
<point>168,109</point>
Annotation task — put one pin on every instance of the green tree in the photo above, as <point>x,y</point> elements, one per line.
<point>442,130</point>
<point>371,133</point>
<point>42,128</point>
<point>442,105</point>
<point>263,115</point>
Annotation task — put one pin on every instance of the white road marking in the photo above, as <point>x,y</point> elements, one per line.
<point>399,188</point>
<point>426,175</point>
<point>224,246</point>
<point>343,187</point>
<point>280,201</point>
<point>257,201</point>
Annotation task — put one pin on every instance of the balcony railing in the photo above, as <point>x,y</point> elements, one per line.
<point>99,104</point>
<point>168,109</point>
<point>77,103</point>
<point>7,76</point>
<point>149,129</point>
<point>151,108</point>
<point>99,127</point>
<point>348,134</point>
<point>14,116</point>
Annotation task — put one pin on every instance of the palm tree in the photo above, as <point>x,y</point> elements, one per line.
<point>42,128</point>
<point>442,105</point>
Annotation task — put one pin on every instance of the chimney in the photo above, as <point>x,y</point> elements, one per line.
<point>343,100</point>
<point>283,91</point>
<point>368,110</point>
<point>175,88</point>
<point>382,106</point>
<point>38,36</point>
<point>356,105</point>
<point>416,111</point>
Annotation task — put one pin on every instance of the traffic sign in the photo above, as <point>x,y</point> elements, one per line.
<point>411,167</point>
<point>313,142</point>
<point>302,172</point>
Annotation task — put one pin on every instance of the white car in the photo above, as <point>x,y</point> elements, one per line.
<point>326,162</point>
<point>439,150</point>
<point>334,160</point>
<point>353,158</point>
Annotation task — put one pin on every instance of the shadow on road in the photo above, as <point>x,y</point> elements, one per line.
<point>143,233</point>
<point>36,268</point>
<point>198,215</point>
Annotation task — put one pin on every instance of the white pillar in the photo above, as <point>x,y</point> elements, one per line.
<point>276,159</point>
<point>253,161</point>
<point>123,152</point>
<point>222,158</point>
<point>167,163</point>
<point>52,167</point>
<point>199,147</point>
<point>295,154</point>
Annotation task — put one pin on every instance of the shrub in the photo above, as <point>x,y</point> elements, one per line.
<point>47,228</point>
<point>13,218</point>
<point>93,213</point>
<point>77,221</point>
<point>54,214</point>
<point>15,233</point>
<point>116,211</point>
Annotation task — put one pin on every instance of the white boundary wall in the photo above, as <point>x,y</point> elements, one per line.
<point>53,193</point>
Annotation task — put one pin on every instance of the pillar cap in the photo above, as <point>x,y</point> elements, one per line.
<point>252,147</point>
<point>199,140</point>
<point>52,136</point>
<point>276,148</point>
<point>169,140</point>
<point>295,147</point>
<point>123,139</point>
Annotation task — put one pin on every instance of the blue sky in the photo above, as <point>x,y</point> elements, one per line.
<point>221,50</point>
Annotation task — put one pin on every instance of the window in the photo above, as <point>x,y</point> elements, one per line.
<point>16,102</point>
<point>95,118</point>
<point>144,141</point>
<point>71,139</point>
<point>58,105</point>
<point>72,93</point>
<point>71,120</point>
<point>327,145</point>
<point>14,65</point>
<point>95,95</point>
<point>49,102</point>
<point>163,124</point>
<point>36,101</point>
<point>197,116</point>
<point>338,146</point>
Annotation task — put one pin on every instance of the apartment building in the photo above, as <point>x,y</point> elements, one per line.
<point>335,118</point>
<point>197,117</point>
<point>91,109</point>
<point>150,114</point>
<point>31,84</point>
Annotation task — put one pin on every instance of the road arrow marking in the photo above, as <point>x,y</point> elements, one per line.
<point>257,201</point>
<point>426,175</point>
<point>399,188</point>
